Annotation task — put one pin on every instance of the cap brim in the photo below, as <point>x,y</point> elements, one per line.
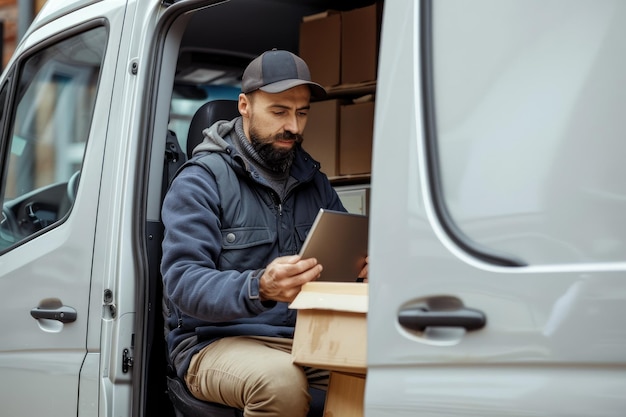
<point>317,91</point>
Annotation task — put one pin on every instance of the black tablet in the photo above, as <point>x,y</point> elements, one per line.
<point>338,241</point>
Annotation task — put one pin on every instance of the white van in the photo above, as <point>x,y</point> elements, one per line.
<point>497,191</point>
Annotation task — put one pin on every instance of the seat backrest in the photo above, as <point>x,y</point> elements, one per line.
<point>205,116</point>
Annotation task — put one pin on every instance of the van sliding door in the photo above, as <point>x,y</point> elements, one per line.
<point>497,237</point>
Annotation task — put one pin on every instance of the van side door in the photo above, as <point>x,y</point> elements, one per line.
<point>55,98</point>
<point>497,234</point>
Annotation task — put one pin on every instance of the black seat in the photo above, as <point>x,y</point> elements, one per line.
<point>205,116</point>
<point>185,404</point>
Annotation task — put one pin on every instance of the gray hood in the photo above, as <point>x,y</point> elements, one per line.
<point>214,137</point>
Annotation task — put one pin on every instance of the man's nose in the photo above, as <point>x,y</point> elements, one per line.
<point>292,125</point>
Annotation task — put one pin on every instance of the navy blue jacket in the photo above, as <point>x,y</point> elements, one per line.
<point>223,225</point>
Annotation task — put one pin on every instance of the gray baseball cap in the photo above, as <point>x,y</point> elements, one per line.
<point>276,71</point>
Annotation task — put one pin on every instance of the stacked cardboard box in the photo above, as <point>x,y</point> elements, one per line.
<point>339,135</point>
<point>359,45</point>
<point>355,133</point>
<point>320,47</point>
<point>321,137</point>
<point>331,333</point>
<point>341,48</point>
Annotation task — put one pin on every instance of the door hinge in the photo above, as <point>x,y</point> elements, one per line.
<point>108,303</point>
<point>127,360</point>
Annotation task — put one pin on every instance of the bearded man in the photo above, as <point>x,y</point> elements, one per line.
<point>235,219</point>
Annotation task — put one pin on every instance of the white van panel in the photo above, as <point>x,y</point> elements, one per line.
<point>553,333</point>
<point>41,360</point>
<point>497,391</point>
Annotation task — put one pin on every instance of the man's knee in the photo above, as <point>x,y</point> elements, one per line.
<point>283,389</point>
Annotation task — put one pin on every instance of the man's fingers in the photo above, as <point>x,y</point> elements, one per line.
<point>290,259</point>
<point>364,272</point>
<point>310,274</point>
<point>283,277</point>
<point>289,266</point>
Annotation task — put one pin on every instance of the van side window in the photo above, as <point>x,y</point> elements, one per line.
<point>51,117</point>
<point>530,135</point>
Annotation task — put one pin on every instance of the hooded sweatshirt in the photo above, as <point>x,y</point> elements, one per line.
<point>224,222</point>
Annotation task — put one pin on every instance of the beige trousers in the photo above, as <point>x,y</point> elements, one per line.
<point>254,374</point>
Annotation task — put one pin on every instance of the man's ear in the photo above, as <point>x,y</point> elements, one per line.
<point>243,105</point>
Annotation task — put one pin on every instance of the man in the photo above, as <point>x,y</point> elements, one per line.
<point>235,217</point>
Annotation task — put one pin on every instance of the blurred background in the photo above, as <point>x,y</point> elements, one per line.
<point>15,16</point>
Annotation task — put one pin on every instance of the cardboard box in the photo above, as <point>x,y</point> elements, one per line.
<point>345,395</point>
<point>360,32</point>
<point>355,138</point>
<point>320,47</point>
<point>321,135</point>
<point>331,328</point>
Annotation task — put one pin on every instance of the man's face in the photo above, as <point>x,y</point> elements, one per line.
<point>275,123</point>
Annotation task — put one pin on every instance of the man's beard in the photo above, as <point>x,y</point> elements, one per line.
<point>276,159</point>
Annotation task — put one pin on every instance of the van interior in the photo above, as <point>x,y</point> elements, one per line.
<point>212,46</point>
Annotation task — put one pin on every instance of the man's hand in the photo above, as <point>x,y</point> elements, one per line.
<point>363,274</point>
<point>284,277</point>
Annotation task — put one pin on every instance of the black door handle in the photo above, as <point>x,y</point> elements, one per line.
<point>64,314</point>
<point>419,318</point>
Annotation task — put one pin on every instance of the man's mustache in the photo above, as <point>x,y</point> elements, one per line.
<point>289,136</point>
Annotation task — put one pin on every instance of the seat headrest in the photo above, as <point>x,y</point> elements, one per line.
<point>205,116</point>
